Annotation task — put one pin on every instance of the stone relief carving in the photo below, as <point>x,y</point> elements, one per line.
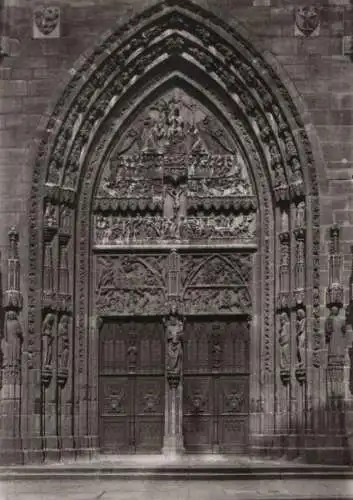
<point>131,284</point>
<point>131,230</point>
<point>215,269</point>
<point>217,300</point>
<point>178,177</point>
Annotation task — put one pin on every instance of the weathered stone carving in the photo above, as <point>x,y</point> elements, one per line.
<point>217,300</point>
<point>11,342</point>
<point>299,268</point>
<point>47,347</point>
<point>131,284</point>
<point>334,294</point>
<point>300,344</point>
<point>283,296</point>
<point>46,22</point>
<point>284,340</point>
<point>174,332</point>
<point>11,347</point>
<point>307,21</point>
<point>63,349</point>
<point>335,333</point>
<point>336,340</point>
<point>13,299</point>
<point>132,230</point>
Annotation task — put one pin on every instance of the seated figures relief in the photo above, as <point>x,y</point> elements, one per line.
<point>175,175</point>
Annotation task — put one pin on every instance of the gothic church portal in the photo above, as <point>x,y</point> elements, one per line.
<point>174,244</point>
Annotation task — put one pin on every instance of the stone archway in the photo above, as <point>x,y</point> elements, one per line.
<point>173,45</point>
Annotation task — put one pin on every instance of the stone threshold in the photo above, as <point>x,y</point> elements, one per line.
<point>201,467</point>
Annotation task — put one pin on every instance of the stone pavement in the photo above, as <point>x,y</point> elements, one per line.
<point>150,477</point>
<point>106,489</point>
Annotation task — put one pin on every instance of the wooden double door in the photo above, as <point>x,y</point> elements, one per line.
<point>132,386</point>
<point>215,385</point>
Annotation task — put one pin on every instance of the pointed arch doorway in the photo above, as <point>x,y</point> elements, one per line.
<point>180,206</point>
<point>175,228</point>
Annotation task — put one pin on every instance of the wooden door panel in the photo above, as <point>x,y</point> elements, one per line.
<point>233,394</point>
<point>198,396</point>
<point>149,434</point>
<point>116,396</point>
<point>115,435</point>
<point>132,386</point>
<point>233,434</point>
<point>149,396</point>
<point>198,433</point>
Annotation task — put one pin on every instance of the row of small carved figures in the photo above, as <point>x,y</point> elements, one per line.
<point>135,228</point>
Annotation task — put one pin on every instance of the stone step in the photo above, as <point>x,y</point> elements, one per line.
<point>175,472</point>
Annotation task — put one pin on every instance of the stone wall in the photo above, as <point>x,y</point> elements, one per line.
<point>32,80</point>
<point>35,72</point>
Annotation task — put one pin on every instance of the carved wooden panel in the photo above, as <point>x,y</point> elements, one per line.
<point>198,413</point>
<point>131,386</point>
<point>216,385</point>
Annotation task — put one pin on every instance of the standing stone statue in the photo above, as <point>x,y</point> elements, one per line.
<point>174,331</point>
<point>301,337</point>
<point>11,343</point>
<point>335,333</point>
<point>63,349</point>
<point>47,339</point>
<point>283,339</point>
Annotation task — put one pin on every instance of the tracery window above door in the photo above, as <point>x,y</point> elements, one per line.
<point>176,176</point>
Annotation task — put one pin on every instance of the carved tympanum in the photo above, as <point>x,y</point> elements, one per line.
<point>178,179</point>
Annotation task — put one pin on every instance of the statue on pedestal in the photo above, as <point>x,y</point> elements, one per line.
<point>63,349</point>
<point>47,343</point>
<point>283,339</point>
<point>301,337</point>
<point>11,345</point>
<point>174,331</point>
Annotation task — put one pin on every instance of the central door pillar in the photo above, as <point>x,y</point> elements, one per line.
<point>173,444</point>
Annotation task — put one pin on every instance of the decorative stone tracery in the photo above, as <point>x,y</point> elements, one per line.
<point>246,161</point>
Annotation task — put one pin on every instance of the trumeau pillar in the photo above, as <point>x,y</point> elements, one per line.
<point>11,351</point>
<point>174,326</point>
